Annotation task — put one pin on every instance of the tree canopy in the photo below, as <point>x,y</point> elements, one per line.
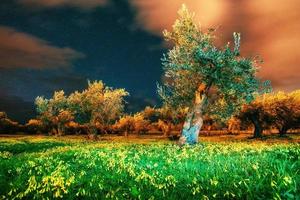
<point>283,110</point>
<point>229,79</point>
<point>98,105</point>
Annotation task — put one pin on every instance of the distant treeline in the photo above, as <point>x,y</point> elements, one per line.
<point>99,110</point>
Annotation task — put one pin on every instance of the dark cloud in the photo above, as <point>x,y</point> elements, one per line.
<point>21,50</point>
<point>137,103</point>
<point>69,82</point>
<point>16,108</point>
<point>83,4</point>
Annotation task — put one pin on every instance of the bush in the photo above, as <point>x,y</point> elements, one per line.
<point>34,126</point>
<point>7,126</point>
<point>132,124</point>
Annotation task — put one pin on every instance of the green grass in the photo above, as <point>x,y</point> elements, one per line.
<point>41,168</point>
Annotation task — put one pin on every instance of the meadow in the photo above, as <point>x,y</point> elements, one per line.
<point>33,167</point>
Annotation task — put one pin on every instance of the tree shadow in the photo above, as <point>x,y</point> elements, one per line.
<point>29,147</point>
<point>275,138</point>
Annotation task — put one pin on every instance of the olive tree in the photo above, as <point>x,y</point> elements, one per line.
<point>132,123</point>
<point>284,110</point>
<point>98,106</point>
<point>204,78</point>
<point>255,113</point>
<point>54,112</point>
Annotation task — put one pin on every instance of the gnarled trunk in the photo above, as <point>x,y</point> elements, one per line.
<point>194,120</point>
<point>257,127</point>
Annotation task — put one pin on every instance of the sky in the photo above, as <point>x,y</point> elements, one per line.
<point>48,45</point>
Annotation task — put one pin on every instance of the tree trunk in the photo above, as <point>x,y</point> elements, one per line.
<point>167,129</point>
<point>92,130</point>
<point>126,132</point>
<point>193,121</point>
<point>257,128</point>
<point>60,130</point>
<point>282,131</point>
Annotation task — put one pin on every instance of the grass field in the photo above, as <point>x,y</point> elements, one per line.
<point>33,167</point>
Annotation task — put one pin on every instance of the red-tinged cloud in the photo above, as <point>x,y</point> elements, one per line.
<point>276,25</point>
<point>84,4</point>
<point>21,50</point>
<point>157,15</point>
<point>270,28</point>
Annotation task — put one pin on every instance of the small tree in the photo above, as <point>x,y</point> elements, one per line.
<point>204,78</point>
<point>97,106</point>
<point>141,125</point>
<point>132,123</point>
<point>284,110</point>
<point>151,114</point>
<point>233,125</point>
<point>8,126</point>
<point>63,118</point>
<point>166,120</point>
<point>255,113</point>
<point>125,124</point>
<point>34,126</point>
<point>53,112</point>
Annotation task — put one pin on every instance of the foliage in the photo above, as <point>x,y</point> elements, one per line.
<point>211,123</point>
<point>229,79</point>
<point>96,106</point>
<point>98,103</point>
<point>284,110</point>
<point>75,128</point>
<point>129,124</point>
<point>141,125</point>
<point>52,168</point>
<point>280,110</point>
<point>54,112</point>
<point>165,113</point>
<point>165,118</point>
<point>125,124</point>
<point>256,114</point>
<point>34,126</point>
<point>151,114</point>
<point>165,127</point>
<point>7,125</point>
<point>233,124</point>
<point>3,115</point>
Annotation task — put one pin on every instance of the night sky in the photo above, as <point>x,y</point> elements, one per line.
<point>48,45</point>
